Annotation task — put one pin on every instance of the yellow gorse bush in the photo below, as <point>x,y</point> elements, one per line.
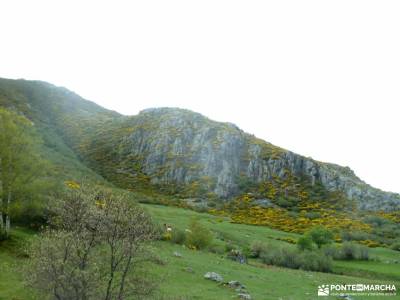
<point>72,184</point>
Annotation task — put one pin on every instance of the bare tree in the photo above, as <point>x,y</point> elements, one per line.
<point>95,248</point>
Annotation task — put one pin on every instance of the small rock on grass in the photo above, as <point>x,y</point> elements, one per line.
<point>213,276</point>
<point>244,296</point>
<point>177,254</point>
<point>236,284</point>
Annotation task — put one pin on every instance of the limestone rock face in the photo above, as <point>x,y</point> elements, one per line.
<point>175,146</point>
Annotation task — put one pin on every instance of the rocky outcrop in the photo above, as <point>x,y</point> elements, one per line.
<point>175,146</point>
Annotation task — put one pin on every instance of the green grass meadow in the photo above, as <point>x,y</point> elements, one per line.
<point>182,277</point>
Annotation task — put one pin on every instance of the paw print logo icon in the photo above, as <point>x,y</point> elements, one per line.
<point>323,290</point>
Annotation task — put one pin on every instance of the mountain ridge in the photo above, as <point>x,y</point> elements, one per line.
<point>183,153</point>
<point>268,160</point>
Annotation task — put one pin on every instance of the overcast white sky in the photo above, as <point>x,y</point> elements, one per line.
<point>321,78</point>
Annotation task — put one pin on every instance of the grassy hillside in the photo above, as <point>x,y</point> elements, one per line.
<point>158,156</point>
<point>56,114</point>
<point>182,277</point>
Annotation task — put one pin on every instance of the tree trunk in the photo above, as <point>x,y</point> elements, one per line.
<point>125,273</point>
<point>1,199</point>
<point>1,210</point>
<point>8,221</point>
<point>1,218</point>
<point>7,209</point>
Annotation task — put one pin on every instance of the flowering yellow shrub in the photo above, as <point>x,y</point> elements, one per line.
<point>392,216</point>
<point>369,243</point>
<point>279,218</point>
<point>72,184</point>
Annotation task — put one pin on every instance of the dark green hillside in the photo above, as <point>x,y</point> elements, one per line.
<point>48,107</point>
<point>51,109</point>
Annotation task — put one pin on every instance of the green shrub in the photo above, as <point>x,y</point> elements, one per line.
<point>313,215</point>
<point>29,213</point>
<point>248,252</point>
<point>272,257</point>
<point>331,251</point>
<point>395,246</point>
<point>257,248</point>
<point>305,243</point>
<point>390,230</point>
<point>362,253</point>
<point>159,229</point>
<point>346,236</point>
<point>3,235</point>
<point>178,236</point>
<point>376,221</point>
<point>354,236</point>
<point>282,202</point>
<point>287,202</point>
<point>293,213</point>
<point>229,246</point>
<point>320,235</point>
<point>348,251</point>
<point>216,248</point>
<point>225,236</point>
<point>199,237</point>
<point>290,258</point>
<point>200,209</point>
<point>211,204</point>
<point>315,261</point>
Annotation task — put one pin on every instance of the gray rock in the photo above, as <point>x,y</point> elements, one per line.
<point>177,254</point>
<point>244,296</point>
<point>236,285</point>
<point>263,203</point>
<point>213,276</point>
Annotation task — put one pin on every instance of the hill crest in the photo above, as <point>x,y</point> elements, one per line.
<point>183,153</point>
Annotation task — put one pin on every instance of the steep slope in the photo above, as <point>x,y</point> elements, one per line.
<point>58,116</point>
<point>186,154</point>
<point>179,152</point>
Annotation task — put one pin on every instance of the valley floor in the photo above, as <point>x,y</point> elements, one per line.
<point>183,277</point>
